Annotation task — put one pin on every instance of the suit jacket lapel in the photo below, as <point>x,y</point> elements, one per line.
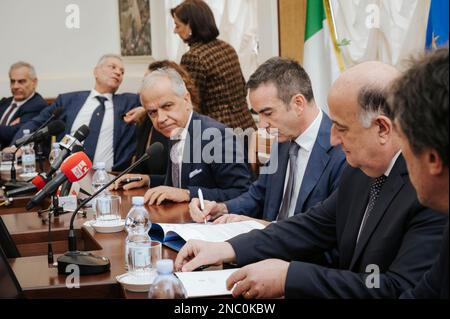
<point>117,123</point>
<point>168,179</point>
<point>317,162</point>
<point>72,112</point>
<point>188,156</point>
<point>27,104</point>
<point>355,215</point>
<point>390,189</point>
<point>5,103</point>
<point>276,181</point>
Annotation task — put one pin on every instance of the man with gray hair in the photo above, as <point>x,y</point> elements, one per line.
<point>24,104</point>
<point>110,140</point>
<point>204,154</point>
<point>385,238</point>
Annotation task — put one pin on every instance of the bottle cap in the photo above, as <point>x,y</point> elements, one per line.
<point>164,266</point>
<point>137,200</point>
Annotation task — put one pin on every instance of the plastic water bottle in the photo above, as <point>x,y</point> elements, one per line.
<point>54,153</point>
<point>28,156</point>
<point>137,224</point>
<point>100,178</point>
<point>166,285</point>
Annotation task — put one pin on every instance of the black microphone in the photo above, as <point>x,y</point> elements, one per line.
<point>74,168</point>
<point>57,112</point>
<point>55,115</point>
<point>37,183</point>
<point>53,128</point>
<point>69,144</point>
<point>88,263</point>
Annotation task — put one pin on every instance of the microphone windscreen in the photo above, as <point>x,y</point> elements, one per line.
<point>155,149</point>
<point>57,112</point>
<point>76,166</point>
<point>39,182</point>
<point>56,127</point>
<point>81,133</point>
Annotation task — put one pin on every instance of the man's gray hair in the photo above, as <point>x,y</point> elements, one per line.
<point>373,102</point>
<point>107,56</point>
<point>178,85</point>
<point>21,64</point>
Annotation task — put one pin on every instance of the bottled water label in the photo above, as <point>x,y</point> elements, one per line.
<point>29,163</point>
<point>28,159</point>
<point>140,257</point>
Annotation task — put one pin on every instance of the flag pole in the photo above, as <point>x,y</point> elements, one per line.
<point>333,31</point>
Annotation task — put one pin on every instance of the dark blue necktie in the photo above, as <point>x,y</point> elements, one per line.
<point>95,125</point>
<point>374,192</point>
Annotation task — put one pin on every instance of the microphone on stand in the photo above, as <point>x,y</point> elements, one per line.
<point>74,168</point>
<point>69,144</point>
<point>37,183</point>
<point>53,128</point>
<point>67,185</point>
<point>88,263</point>
<point>55,115</point>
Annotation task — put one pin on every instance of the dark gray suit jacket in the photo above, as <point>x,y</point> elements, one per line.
<point>401,238</point>
<point>219,181</point>
<point>26,112</point>
<point>435,282</point>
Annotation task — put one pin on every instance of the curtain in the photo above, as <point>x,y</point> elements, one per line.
<point>383,30</point>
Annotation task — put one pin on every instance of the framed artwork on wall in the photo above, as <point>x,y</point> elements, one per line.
<point>135,29</point>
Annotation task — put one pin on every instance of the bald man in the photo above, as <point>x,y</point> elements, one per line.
<point>385,238</point>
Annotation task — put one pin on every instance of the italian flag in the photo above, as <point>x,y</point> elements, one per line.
<point>322,58</point>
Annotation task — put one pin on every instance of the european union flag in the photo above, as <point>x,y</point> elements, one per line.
<point>437,33</point>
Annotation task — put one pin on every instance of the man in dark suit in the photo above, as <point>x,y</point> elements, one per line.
<point>24,104</point>
<point>111,140</point>
<point>385,238</point>
<point>203,153</point>
<point>419,104</point>
<point>280,92</point>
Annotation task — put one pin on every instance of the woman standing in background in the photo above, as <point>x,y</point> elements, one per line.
<point>213,64</point>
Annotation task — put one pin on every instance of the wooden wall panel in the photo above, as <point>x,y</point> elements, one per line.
<point>292,18</point>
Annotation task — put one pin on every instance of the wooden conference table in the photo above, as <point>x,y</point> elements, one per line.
<point>38,280</point>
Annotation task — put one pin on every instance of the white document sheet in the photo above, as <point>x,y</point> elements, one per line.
<point>206,283</point>
<point>210,232</point>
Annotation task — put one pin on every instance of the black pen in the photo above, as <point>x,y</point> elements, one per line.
<point>131,180</point>
<point>202,268</point>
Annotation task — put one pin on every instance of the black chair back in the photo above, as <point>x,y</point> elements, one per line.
<point>6,242</point>
<point>9,285</point>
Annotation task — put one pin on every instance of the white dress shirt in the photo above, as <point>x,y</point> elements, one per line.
<point>176,152</point>
<point>306,142</point>
<point>105,147</point>
<point>19,104</point>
